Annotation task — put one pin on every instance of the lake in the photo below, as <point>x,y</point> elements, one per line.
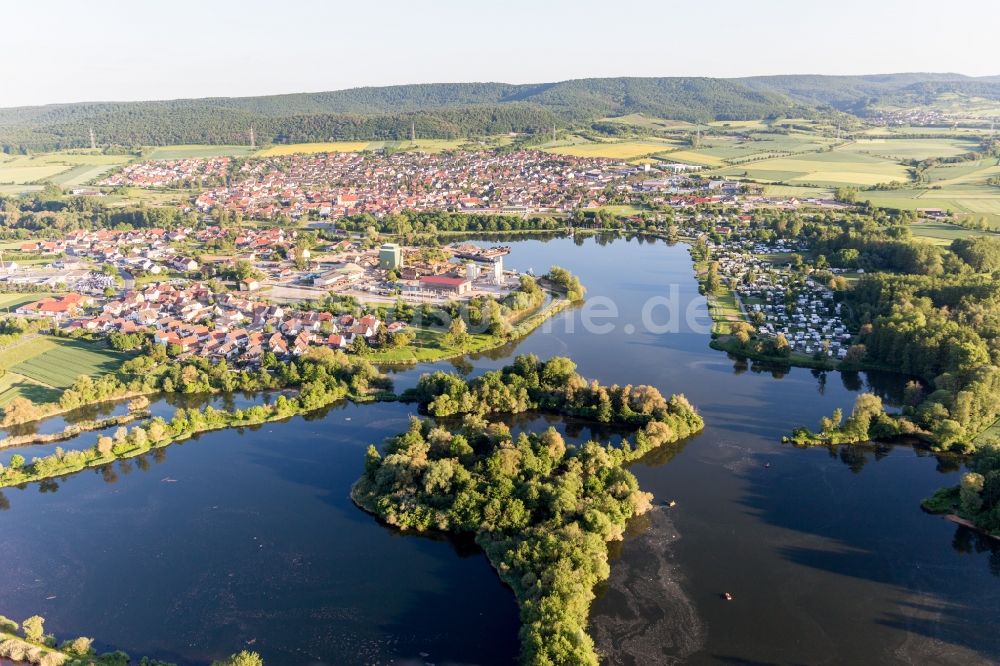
<point>248,538</point>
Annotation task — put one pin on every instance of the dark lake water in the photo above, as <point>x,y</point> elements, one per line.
<point>248,537</point>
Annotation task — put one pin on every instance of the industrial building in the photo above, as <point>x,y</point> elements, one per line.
<point>390,257</point>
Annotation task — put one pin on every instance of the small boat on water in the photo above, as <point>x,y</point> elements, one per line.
<point>671,503</point>
<point>727,596</point>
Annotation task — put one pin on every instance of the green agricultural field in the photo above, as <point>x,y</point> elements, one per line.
<point>969,200</point>
<point>10,302</point>
<point>57,362</point>
<point>81,174</point>
<point>13,385</point>
<point>944,175</point>
<point>942,233</point>
<point>65,168</point>
<point>186,151</point>
<point>738,150</point>
<point>831,168</point>
<point>905,149</point>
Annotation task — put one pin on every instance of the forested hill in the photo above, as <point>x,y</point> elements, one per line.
<point>442,110</point>
<point>857,94</point>
<point>449,110</point>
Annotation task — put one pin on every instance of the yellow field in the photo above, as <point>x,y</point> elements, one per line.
<point>741,124</point>
<point>328,147</point>
<point>800,192</point>
<point>423,145</point>
<point>648,122</point>
<point>626,150</point>
<point>436,145</point>
<point>692,157</point>
<point>19,174</point>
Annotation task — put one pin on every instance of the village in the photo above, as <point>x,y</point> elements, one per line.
<point>266,311</point>
<point>222,289</point>
<point>194,320</point>
<point>330,186</point>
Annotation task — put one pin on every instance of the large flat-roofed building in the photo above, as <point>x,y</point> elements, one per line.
<point>390,257</point>
<point>448,283</point>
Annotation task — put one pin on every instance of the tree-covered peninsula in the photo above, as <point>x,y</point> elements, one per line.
<point>542,510</point>
<point>977,497</point>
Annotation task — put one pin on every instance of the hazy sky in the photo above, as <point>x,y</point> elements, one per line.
<point>140,49</point>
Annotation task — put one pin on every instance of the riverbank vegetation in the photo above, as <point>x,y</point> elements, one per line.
<point>27,643</point>
<point>542,511</point>
<point>868,422</point>
<point>138,408</point>
<point>977,497</point>
<point>321,377</point>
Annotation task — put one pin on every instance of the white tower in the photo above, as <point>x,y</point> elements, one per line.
<point>93,140</point>
<point>253,143</point>
<point>498,271</point>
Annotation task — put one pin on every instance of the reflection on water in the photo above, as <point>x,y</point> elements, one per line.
<point>190,552</point>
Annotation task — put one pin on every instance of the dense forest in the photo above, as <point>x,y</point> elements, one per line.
<point>445,110</point>
<point>156,125</point>
<point>449,110</point>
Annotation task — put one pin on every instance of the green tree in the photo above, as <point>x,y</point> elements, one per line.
<point>246,658</point>
<point>781,346</point>
<point>970,493</point>
<point>457,333</point>
<point>34,628</point>
<point>712,281</point>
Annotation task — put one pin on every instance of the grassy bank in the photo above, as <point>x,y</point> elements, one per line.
<point>728,343</point>
<point>431,345</point>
